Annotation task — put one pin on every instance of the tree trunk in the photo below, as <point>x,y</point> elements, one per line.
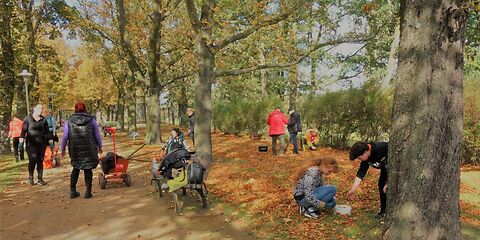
<point>131,63</point>
<point>263,72</point>
<point>203,101</point>
<point>313,73</point>
<point>392,58</point>
<point>7,71</point>
<point>426,135</point>
<point>121,111</point>
<point>293,79</point>
<point>182,107</point>
<point>154,134</point>
<point>132,105</point>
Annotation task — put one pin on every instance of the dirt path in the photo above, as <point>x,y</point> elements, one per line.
<point>118,212</point>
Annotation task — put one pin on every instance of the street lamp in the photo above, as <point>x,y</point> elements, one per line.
<point>26,75</point>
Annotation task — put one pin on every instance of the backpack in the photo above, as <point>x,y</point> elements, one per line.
<point>195,173</point>
<point>175,159</point>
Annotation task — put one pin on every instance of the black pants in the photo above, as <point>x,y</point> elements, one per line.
<point>36,152</point>
<point>17,150</point>
<point>382,181</point>
<point>88,174</point>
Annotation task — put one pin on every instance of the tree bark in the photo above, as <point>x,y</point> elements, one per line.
<point>154,135</point>
<point>263,72</point>
<point>293,80</point>
<point>131,63</point>
<point>121,111</point>
<point>7,72</point>
<point>426,136</point>
<point>182,106</point>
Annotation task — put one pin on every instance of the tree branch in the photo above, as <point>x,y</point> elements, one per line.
<point>192,15</point>
<point>267,22</point>
<point>236,72</point>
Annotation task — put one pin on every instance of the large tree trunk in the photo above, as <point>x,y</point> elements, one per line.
<point>154,134</point>
<point>203,101</point>
<point>426,136</point>
<point>7,72</point>
<point>131,63</point>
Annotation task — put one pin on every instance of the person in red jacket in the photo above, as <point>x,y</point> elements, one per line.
<point>15,129</point>
<point>276,121</point>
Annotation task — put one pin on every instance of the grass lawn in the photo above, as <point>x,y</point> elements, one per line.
<point>10,170</point>
<point>471,195</point>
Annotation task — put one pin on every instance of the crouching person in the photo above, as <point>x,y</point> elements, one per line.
<point>311,194</point>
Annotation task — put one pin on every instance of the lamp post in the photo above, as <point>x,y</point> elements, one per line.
<point>26,75</point>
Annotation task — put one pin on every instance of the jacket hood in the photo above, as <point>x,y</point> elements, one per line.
<point>274,113</point>
<point>80,119</point>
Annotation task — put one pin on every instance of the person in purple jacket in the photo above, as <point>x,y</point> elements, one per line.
<point>84,144</point>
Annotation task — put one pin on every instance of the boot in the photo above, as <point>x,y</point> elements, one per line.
<point>40,178</point>
<point>30,179</point>
<point>74,193</point>
<point>88,192</point>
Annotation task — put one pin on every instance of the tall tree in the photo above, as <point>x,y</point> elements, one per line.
<point>153,120</point>
<point>426,136</point>
<point>7,71</point>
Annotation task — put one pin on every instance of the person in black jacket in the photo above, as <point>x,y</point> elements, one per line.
<point>84,144</point>
<point>374,154</point>
<point>36,135</point>
<point>294,126</point>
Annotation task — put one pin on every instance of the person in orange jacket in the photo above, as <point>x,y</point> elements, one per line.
<point>277,121</point>
<point>14,131</point>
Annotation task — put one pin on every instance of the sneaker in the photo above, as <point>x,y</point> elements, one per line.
<point>311,214</point>
<point>301,210</point>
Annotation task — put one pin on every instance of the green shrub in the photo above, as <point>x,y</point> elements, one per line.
<point>471,127</point>
<point>241,115</point>
<point>364,112</point>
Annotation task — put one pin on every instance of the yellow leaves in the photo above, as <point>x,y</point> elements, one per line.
<point>369,7</point>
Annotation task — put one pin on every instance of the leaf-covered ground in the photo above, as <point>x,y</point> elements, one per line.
<point>250,192</point>
<point>258,184</point>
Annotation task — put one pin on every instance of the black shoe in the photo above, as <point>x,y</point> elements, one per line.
<point>30,181</point>
<point>41,182</point>
<point>87,195</point>
<point>380,215</point>
<point>74,194</point>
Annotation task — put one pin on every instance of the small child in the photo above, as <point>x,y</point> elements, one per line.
<point>310,192</point>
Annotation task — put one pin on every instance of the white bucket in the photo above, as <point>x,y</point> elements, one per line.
<point>343,209</point>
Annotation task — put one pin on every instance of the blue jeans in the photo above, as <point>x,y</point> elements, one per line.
<point>293,140</point>
<point>325,194</point>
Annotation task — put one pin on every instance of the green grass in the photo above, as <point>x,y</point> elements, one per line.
<point>10,170</point>
<point>471,180</point>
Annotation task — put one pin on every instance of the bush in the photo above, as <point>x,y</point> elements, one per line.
<point>363,112</point>
<point>471,127</point>
<point>240,115</point>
